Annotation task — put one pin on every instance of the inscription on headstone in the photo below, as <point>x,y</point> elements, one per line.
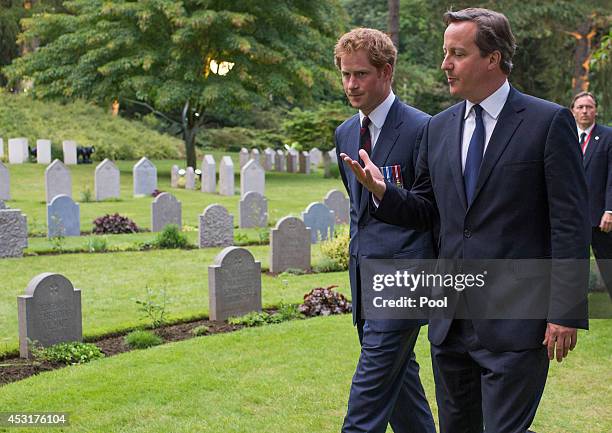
<point>290,245</point>
<point>13,232</point>
<point>216,227</point>
<point>234,284</point>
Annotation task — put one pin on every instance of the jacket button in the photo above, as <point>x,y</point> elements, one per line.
<point>467,233</point>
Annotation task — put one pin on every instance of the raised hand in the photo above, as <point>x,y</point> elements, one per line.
<point>369,175</point>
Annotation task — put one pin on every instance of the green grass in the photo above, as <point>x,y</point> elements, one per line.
<point>287,378</point>
<point>111,282</point>
<point>287,193</point>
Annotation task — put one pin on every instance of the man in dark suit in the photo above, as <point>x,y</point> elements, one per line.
<point>596,144</point>
<point>386,387</point>
<point>504,173</point>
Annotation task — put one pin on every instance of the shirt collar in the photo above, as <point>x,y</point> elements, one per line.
<point>493,104</point>
<point>379,114</point>
<point>588,130</point>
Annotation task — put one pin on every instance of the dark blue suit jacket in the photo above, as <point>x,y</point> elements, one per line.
<point>530,202</point>
<point>598,169</point>
<point>398,143</point>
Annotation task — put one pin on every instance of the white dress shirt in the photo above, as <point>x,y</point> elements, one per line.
<point>378,117</point>
<point>587,132</point>
<point>491,107</point>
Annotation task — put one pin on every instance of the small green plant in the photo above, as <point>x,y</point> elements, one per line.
<point>171,237</point>
<point>336,249</point>
<point>67,353</point>
<point>292,271</point>
<point>200,330</point>
<point>288,312</point>
<point>86,195</point>
<point>140,339</point>
<point>59,240</point>
<point>97,244</point>
<point>154,306</point>
<point>327,265</point>
<point>241,238</point>
<point>251,319</point>
<point>264,235</point>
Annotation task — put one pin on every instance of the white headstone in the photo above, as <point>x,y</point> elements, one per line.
<point>226,176</point>
<point>107,182</point>
<point>289,245</point>
<point>305,162</point>
<point>234,284</point>
<point>49,313</point>
<point>244,156</point>
<point>70,152</point>
<point>332,156</point>
<point>252,178</point>
<point>145,177</point>
<point>320,219</point>
<point>174,176</point>
<point>209,174</point>
<point>13,233</point>
<point>190,178</point>
<point>292,161</point>
<point>5,182</point>
<point>165,210</point>
<point>268,162</point>
<point>255,155</point>
<point>216,227</point>
<point>337,202</point>
<point>280,162</point>
<point>58,180</point>
<point>18,150</point>
<point>316,156</point>
<point>253,210</point>
<point>43,152</point>
<point>63,217</point>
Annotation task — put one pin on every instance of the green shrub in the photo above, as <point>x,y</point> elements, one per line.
<point>86,195</point>
<point>171,237</point>
<point>327,265</point>
<point>337,248</point>
<point>142,339</point>
<point>68,353</point>
<point>200,330</point>
<point>97,244</point>
<point>251,319</point>
<point>289,312</point>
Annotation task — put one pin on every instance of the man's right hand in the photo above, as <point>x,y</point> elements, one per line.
<point>369,175</point>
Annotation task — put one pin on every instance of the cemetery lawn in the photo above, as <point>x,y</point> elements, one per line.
<point>292,377</point>
<point>287,194</point>
<point>111,282</point>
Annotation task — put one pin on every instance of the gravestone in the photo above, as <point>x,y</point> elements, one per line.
<point>70,152</point>
<point>165,210</point>
<point>252,178</point>
<point>332,156</point>
<point>255,155</point>
<point>316,156</point>
<point>174,176</point>
<point>190,178</point>
<point>18,150</point>
<point>226,176</point>
<point>63,217</point>
<point>234,284</point>
<point>326,165</point>
<point>243,157</point>
<point>1,147</point>
<point>289,245</point>
<point>337,202</point>
<point>145,177</point>
<point>13,232</point>
<point>43,152</point>
<point>268,162</point>
<point>292,161</point>
<point>280,162</point>
<point>58,180</point>
<point>107,182</point>
<point>5,182</point>
<point>304,162</point>
<point>320,219</point>
<point>49,312</point>
<point>216,227</point>
<point>209,174</point>
<point>253,210</point>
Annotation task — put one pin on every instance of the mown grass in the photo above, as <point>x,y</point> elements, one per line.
<point>287,378</point>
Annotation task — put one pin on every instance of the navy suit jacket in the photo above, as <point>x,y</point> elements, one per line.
<point>530,202</point>
<point>397,144</point>
<point>598,169</point>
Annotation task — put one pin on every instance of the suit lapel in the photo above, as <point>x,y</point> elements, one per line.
<point>509,119</point>
<point>591,147</point>
<point>454,137</point>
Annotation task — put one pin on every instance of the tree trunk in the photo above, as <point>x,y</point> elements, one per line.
<point>190,129</point>
<point>582,55</point>
<point>393,22</point>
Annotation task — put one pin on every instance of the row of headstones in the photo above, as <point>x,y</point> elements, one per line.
<point>18,151</point>
<point>252,177</point>
<point>291,161</point>
<point>50,310</point>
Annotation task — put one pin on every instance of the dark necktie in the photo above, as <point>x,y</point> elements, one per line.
<point>474,156</point>
<point>582,138</point>
<point>365,139</point>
